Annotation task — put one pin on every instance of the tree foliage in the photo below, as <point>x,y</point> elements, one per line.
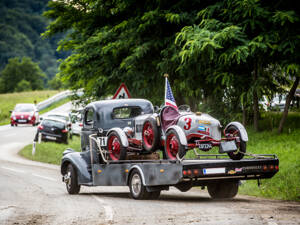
<point>21,75</point>
<point>226,54</point>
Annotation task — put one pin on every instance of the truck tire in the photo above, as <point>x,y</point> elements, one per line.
<point>137,189</point>
<point>150,135</point>
<point>241,145</point>
<point>223,190</point>
<point>115,148</point>
<point>72,180</point>
<point>173,146</point>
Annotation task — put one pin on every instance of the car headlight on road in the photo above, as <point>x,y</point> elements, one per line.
<point>14,118</point>
<point>29,118</point>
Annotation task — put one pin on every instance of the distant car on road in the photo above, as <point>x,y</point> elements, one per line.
<point>278,102</point>
<point>52,129</point>
<point>65,117</point>
<point>24,113</point>
<point>77,123</point>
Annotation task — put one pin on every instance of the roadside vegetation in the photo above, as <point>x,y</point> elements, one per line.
<point>8,101</point>
<point>50,152</point>
<point>285,185</point>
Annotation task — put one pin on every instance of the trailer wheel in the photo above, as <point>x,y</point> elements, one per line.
<point>115,148</point>
<point>71,180</point>
<point>136,186</point>
<point>241,145</point>
<point>173,146</point>
<point>150,135</point>
<point>223,190</point>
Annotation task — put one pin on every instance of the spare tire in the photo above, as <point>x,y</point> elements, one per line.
<point>150,135</point>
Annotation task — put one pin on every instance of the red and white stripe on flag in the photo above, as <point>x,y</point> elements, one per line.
<point>169,98</point>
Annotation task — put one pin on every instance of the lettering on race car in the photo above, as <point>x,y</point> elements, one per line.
<point>204,122</point>
<point>188,124</point>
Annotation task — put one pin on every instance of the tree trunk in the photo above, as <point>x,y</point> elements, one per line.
<point>287,104</point>
<point>255,100</point>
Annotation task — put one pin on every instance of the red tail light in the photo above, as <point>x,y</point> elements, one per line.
<point>196,172</point>
<point>184,172</point>
<point>189,172</point>
<point>81,124</point>
<point>271,167</point>
<point>40,127</point>
<point>64,131</point>
<point>265,168</point>
<point>276,167</point>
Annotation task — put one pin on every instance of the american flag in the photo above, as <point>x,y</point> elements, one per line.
<point>169,98</point>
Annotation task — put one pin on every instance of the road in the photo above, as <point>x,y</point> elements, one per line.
<point>32,193</point>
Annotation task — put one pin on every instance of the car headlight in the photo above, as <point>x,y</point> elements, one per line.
<point>14,118</point>
<point>29,118</point>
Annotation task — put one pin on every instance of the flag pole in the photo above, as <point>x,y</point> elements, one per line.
<point>166,78</point>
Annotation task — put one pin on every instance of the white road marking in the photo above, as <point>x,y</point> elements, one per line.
<point>40,176</point>
<point>109,213</point>
<point>11,169</point>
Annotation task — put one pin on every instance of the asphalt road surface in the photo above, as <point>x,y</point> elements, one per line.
<point>32,193</point>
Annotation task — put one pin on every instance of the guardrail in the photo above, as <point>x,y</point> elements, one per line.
<point>44,104</point>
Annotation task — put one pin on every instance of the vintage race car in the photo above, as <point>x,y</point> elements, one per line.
<point>130,126</point>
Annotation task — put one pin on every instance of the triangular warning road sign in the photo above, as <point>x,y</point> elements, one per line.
<point>122,92</point>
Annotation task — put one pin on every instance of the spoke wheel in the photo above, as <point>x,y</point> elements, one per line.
<point>71,180</point>
<point>115,147</point>
<point>150,135</point>
<point>173,146</point>
<point>233,131</point>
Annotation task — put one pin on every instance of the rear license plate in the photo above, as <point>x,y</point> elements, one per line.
<point>51,138</point>
<point>204,146</point>
<point>22,121</point>
<point>213,171</point>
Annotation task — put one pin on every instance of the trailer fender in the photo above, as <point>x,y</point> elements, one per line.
<point>181,135</point>
<point>241,128</point>
<point>121,134</point>
<point>141,172</point>
<point>81,165</point>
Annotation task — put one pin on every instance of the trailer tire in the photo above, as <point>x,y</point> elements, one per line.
<point>115,147</point>
<point>150,135</point>
<point>72,183</point>
<point>223,190</point>
<point>137,189</point>
<point>239,154</point>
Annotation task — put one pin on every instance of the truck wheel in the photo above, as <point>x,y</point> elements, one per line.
<point>241,145</point>
<point>173,146</point>
<point>71,180</point>
<point>136,186</point>
<point>224,190</point>
<point>150,135</point>
<point>115,148</point>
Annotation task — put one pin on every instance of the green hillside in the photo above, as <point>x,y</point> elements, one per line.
<point>21,25</point>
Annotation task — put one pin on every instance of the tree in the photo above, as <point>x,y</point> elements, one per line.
<point>24,71</point>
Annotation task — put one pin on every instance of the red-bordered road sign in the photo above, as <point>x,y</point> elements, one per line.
<point>122,92</point>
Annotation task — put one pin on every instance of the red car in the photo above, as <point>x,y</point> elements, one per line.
<point>24,113</point>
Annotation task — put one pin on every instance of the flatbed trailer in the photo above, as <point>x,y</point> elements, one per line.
<point>147,178</point>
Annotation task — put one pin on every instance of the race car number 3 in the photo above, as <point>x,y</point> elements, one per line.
<point>188,123</point>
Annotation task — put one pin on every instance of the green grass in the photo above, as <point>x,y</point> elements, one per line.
<point>8,101</point>
<point>50,152</point>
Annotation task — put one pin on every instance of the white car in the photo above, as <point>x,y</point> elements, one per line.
<point>77,123</point>
<point>278,102</point>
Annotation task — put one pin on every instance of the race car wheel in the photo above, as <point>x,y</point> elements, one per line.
<point>233,131</point>
<point>150,135</point>
<point>115,148</point>
<point>223,190</point>
<point>71,180</point>
<point>173,146</point>
<point>136,186</point>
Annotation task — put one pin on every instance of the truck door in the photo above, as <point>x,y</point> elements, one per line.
<point>88,127</point>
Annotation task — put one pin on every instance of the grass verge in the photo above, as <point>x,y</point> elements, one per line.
<point>50,152</point>
<point>8,101</point>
